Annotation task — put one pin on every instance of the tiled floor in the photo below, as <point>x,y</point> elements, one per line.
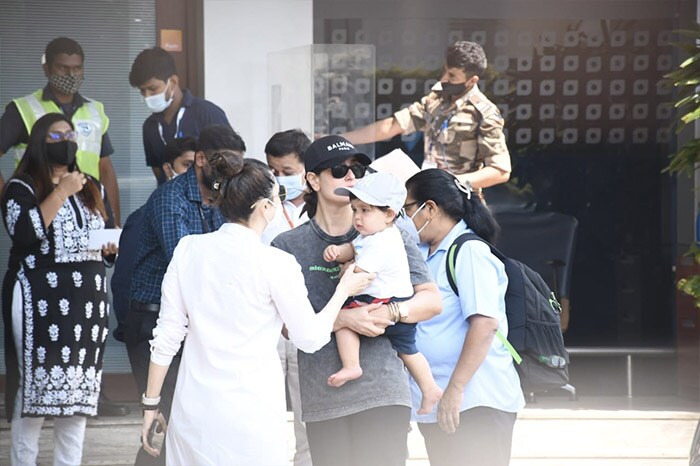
<point>603,431</point>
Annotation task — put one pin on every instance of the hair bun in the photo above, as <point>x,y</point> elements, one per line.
<point>226,162</point>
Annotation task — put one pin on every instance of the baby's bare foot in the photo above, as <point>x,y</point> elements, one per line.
<point>346,374</point>
<point>430,397</point>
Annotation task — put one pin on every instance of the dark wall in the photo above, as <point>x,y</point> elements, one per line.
<point>588,120</point>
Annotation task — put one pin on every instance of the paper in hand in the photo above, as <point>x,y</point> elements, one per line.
<point>397,163</point>
<point>99,238</point>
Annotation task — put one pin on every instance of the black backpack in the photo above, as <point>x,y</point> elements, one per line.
<point>534,334</point>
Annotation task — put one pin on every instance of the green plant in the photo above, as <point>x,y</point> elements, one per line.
<point>686,78</point>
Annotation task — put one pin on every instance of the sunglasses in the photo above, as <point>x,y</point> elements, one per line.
<point>282,195</point>
<point>58,136</point>
<point>339,171</point>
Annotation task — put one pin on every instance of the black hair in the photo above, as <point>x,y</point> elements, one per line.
<point>440,187</point>
<point>35,168</point>
<point>62,45</point>
<point>152,63</point>
<point>246,181</point>
<point>467,56</point>
<point>177,147</point>
<point>217,137</point>
<point>287,142</point>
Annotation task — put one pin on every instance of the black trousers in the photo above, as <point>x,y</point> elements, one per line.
<point>138,332</point>
<point>376,437</point>
<point>483,438</point>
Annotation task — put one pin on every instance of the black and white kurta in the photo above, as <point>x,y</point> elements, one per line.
<point>64,304</point>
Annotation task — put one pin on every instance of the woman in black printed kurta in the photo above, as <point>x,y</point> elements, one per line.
<point>54,294</point>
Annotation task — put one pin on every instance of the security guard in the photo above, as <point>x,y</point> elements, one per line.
<point>463,129</point>
<point>64,69</point>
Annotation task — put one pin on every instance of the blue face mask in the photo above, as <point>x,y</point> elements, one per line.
<point>293,183</point>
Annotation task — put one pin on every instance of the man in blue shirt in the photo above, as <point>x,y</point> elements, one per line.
<point>178,208</point>
<point>176,112</point>
<point>179,157</point>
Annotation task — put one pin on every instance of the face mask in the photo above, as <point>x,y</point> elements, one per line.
<point>406,224</point>
<point>424,225</point>
<point>61,153</point>
<point>209,179</point>
<point>66,84</point>
<point>268,220</point>
<point>453,89</point>
<point>174,173</point>
<point>293,184</point>
<point>157,103</point>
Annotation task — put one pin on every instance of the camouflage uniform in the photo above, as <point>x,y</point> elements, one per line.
<point>461,136</point>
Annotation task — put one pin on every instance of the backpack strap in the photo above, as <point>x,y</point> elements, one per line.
<point>451,264</point>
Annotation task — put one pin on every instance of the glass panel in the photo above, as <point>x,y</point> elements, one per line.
<point>111,35</point>
<point>322,89</point>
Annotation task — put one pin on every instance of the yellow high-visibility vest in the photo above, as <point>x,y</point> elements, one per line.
<point>89,121</point>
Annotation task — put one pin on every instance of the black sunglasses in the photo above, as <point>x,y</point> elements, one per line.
<point>282,193</point>
<point>339,171</point>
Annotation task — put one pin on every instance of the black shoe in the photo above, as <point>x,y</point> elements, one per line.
<point>108,408</point>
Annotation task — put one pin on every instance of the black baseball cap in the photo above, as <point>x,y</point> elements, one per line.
<point>330,151</point>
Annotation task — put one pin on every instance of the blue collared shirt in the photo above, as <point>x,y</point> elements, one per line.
<point>173,211</point>
<point>482,283</point>
<point>197,114</point>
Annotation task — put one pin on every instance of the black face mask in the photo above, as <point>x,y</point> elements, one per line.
<point>451,89</point>
<point>210,180</point>
<point>61,153</point>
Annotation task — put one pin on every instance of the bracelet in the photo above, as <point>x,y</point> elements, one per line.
<point>154,401</point>
<point>394,314</point>
<point>150,407</point>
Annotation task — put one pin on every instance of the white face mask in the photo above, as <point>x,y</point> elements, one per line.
<point>425,224</point>
<point>269,220</point>
<point>157,103</point>
<point>174,173</point>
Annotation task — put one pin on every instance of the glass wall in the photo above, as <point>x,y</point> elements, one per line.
<point>588,125</point>
<point>111,34</point>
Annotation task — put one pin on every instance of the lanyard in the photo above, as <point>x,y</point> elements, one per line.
<point>180,113</point>
<point>286,215</point>
<point>205,224</point>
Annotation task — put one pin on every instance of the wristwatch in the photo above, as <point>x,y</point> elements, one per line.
<point>403,311</point>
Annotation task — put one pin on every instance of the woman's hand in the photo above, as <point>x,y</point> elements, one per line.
<point>353,282</point>
<point>361,320</point>
<point>109,249</point>
<point>71,183</point>
<point>149,417</point>
<point>448,409</point>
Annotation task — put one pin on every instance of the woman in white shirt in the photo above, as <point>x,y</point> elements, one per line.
<point>230,295</point>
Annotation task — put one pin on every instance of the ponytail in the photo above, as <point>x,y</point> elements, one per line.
<point>458,201</point>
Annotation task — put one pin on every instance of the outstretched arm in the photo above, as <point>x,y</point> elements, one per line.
<point>486,177</point>
<point>377,131</point>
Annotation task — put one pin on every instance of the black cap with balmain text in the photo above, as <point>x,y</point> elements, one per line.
<point>330,151</point>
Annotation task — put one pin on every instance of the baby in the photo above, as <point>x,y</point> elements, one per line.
<point>376,200</point>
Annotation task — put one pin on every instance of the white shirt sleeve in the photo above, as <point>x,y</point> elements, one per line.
<point>307,330</point>
<point>173,321</point>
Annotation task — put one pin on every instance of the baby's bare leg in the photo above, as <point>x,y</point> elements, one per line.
<point>420,370</point>
<point>349,349</point>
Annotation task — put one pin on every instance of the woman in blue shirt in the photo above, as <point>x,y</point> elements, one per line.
<point>473,423</point>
